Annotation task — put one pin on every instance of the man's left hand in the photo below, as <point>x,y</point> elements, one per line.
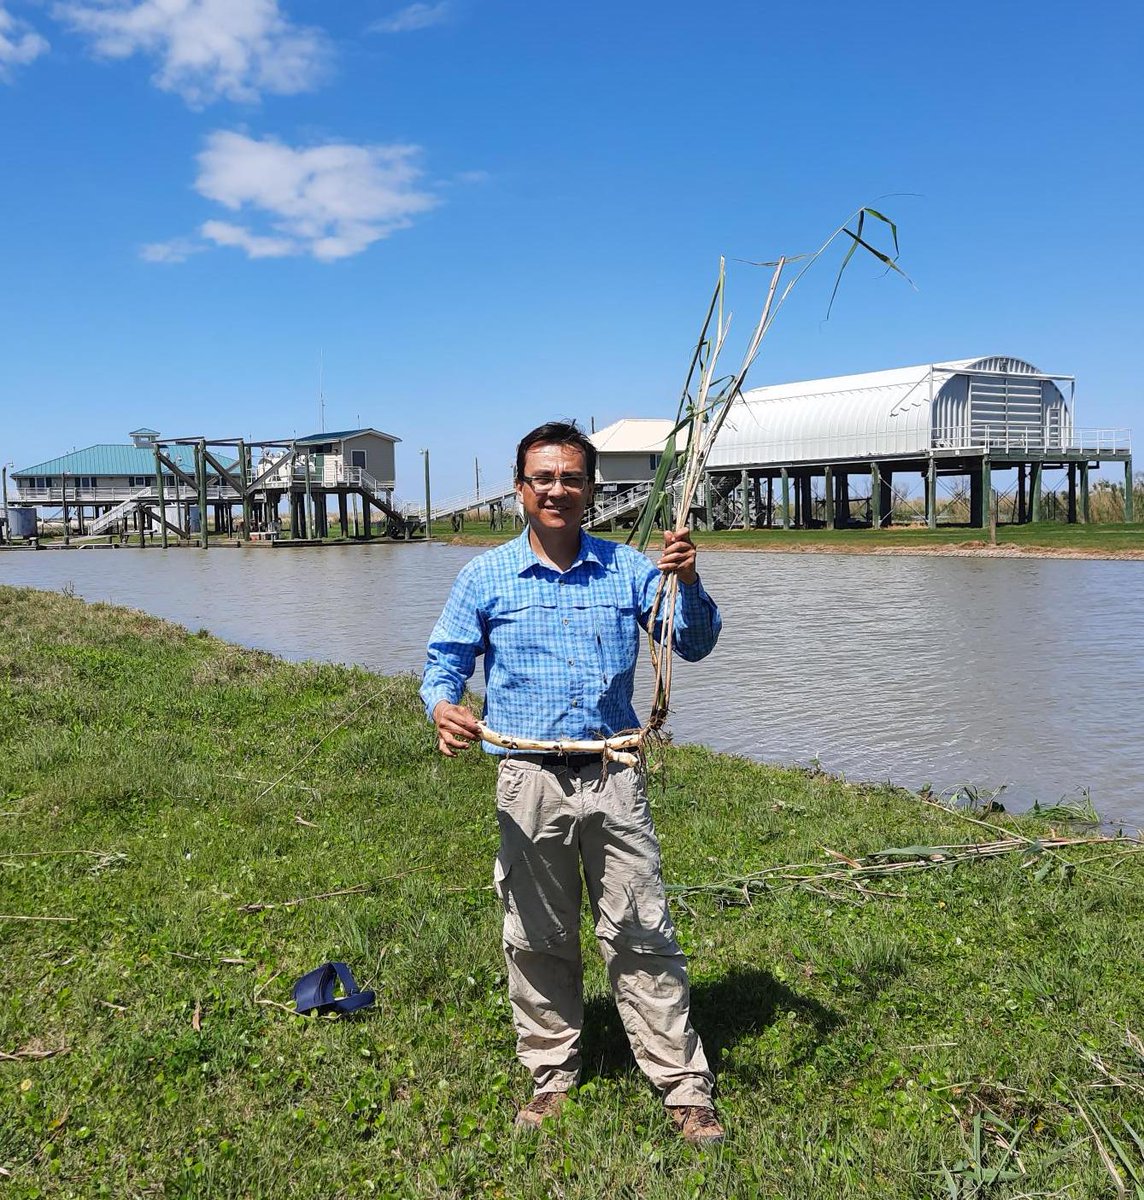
<point>678,557</point>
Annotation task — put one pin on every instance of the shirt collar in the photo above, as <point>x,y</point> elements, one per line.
<point>527,558</point>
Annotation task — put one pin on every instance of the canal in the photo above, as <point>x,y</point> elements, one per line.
<point>989,673</point>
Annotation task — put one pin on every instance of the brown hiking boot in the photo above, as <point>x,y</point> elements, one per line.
<point>543,1104</point>
<point>697,1125</point>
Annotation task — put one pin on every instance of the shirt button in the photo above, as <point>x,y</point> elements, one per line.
<point>575,703</point>
<point>565,620</point>
<point>571,662</point>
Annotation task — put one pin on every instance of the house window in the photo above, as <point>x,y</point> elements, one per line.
<point>43,481</point>
<point>357,458</point>
<point>653,461</point>
<point>88,481</point>
<point>140,480</point>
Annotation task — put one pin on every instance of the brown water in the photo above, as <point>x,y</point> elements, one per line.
<point>951,671</point>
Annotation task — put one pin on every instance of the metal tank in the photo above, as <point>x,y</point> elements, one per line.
<point>22,522</point>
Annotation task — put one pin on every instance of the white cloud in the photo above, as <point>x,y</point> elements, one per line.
<point>223,233</point>
<point>177,250</point>
<point>19,44</point>
<point>207,49</point>
<point>413,16</point>
<point>330,201</point>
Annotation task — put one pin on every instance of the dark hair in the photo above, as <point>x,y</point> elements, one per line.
<point>557,433</point>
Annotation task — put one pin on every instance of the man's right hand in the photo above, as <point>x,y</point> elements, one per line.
<point>456,727</point>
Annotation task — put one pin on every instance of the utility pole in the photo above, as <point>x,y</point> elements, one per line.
<point>8,528</point>
<point>428,504</point>
<point>477,475</point>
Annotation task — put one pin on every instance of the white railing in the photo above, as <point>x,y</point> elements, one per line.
<point>1109,441</point>
<point>1034,439</point>
<point>463,502</point>
<point>360,477</point>
<point>108,518</point>
<point>54,496</point>
<point>613,506</point>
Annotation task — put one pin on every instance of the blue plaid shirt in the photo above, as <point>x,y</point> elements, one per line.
<point>559,647</point>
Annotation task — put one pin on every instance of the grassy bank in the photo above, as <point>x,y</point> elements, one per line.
<point>1053,536</point>
<point>949,1029</point>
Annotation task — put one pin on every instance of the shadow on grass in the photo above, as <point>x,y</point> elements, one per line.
<point>724,1011</point>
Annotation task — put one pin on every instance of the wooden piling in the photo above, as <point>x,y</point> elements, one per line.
<point>931,493</point>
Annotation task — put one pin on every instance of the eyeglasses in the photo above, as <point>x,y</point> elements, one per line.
<point>546,482</point>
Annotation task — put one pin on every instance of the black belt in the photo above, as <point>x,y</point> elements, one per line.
<point>573,762</point>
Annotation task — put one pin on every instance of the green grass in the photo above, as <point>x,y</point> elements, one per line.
<point>1052,535</point>
<point>892,1048</point>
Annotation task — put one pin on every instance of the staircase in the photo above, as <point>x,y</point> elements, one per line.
<point>443,509</point>
<point>102,523</point>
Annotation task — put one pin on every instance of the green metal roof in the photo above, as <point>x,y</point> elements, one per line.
<point>115,460</point>
<point>341,435</point>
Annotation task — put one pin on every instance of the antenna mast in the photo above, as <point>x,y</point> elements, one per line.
<point>321,394</point>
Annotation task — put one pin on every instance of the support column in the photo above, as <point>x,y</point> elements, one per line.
<point>1128,489</point>
<point>828,495</point>
<point>343,514</point>
<point>1021,511</point>
<point>367,517</point>
<point>786,497</point>
<point>842,500</point>
<point>887,505</point>
<point>931,493</point>
<point>806,488</point>
<point>745,498</point>
<point>1072,494</point>
<point>308,508</point>
<point>986,492</point>
<point>976,508</point>
<point>201,480</point>
<point>67,514</point>
<point>875,496</point>
<point>1085,511</point>
<point>1036,472</point>
<point>245,474</point>
<point>770,502</point>
<point>160,491</point>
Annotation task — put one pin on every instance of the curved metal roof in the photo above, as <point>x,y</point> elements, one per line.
<point>845,416</point>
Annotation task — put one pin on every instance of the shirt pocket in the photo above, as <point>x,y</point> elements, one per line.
<point>521,636</point>
<point>617,631</point>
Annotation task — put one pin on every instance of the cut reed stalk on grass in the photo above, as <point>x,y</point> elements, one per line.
<point>852,875</point>
<point>704,404</point>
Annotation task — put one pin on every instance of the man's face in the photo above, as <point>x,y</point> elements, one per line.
<point>557,507</point>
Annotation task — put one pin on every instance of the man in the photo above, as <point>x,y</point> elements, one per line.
<point>557,616</point>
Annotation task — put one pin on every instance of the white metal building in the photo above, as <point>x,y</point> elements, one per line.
<point>963,405</point>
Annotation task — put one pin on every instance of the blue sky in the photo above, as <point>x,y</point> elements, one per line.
<point>480,214</point>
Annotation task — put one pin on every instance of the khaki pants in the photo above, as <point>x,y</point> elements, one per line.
<point>551,820</point>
